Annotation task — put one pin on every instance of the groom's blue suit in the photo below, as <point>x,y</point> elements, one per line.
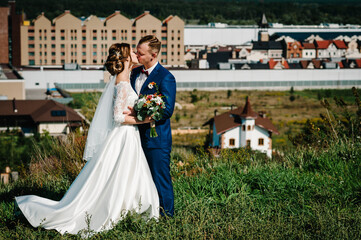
<point>157,150</point>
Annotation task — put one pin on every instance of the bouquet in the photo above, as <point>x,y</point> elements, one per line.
<point>150,105</point>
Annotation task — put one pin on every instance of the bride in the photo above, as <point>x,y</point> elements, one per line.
<point>116,178</point>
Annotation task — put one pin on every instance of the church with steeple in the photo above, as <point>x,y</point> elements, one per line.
<point>242,127</point>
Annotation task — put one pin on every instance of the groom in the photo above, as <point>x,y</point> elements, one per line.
<point>157,150</point>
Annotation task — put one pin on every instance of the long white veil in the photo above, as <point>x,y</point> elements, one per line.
<point>102,122</point>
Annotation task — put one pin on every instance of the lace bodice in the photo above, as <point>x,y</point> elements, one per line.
<point>124,96</point>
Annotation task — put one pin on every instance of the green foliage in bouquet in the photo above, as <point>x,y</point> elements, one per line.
<point>151,105</point>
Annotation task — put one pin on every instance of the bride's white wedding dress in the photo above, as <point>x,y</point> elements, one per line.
<point>117,180</point>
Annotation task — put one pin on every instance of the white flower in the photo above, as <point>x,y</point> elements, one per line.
<point>150,86</point>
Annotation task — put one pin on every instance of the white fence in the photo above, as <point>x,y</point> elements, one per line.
<point>211,79</point>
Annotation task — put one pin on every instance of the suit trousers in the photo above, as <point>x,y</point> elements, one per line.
<point>158,161</point>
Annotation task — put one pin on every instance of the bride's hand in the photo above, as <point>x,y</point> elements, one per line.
<point>129,112</point>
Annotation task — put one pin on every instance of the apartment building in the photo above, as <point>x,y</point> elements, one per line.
<point>68,39</point>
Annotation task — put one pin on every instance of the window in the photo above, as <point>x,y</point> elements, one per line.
<point>83,38</point>
<point>260,141</point>
<point>31,38</point>
<point>52,45</point>
<point>94,38</point>
<point>52,53</point>
<point>243,127</point>
<point>114,38</point>
<point>53,61</point>
<point>83,61</point>
<point>94,46</point>
<point>62,30</point>
<point>62,53</point>
<point>62,38</point>
<point>231,142</point>
<point>83,53</point>
<point>31,45</point>
<point>248,143</point>
<point>249,128</point>
<point>58,113</point>
<point>83,46</point>
<point>164,53</point>
<point>94,53</point>
<point>52,38</point>
<point>31,54</point>
<point>31,62</point>
<point>62,46</point>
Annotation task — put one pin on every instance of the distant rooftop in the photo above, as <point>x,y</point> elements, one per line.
<point>8,73</point>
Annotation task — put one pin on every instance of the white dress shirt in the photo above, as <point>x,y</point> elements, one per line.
<point>142,78</point>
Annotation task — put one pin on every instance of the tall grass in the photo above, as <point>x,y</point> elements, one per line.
<point>304,194</point>
<point>312,191</point>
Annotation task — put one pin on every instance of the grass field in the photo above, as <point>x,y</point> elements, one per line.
<point>305,194</point>
<point>309,192</point>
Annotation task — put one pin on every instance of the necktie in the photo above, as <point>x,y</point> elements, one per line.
<point>145,72</point>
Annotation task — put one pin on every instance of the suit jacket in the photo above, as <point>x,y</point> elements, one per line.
<point>167,87</point>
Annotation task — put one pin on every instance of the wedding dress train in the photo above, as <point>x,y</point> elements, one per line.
<point>117,180</point>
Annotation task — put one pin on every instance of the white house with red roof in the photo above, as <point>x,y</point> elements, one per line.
<point>308,50</point>
<point>242,127</point>
<point>331,49</point>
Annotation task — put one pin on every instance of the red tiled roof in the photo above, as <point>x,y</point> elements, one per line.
<point>285,64</point>
<point>141,15</point>
<point>61,15</point>
<point>323,44</point>
<point>316,63</point>
<point>358,62</point>
<point>308,45</point>
<point>272,63</point>
<point>167,19</point>
<point>304,63</point>
<point>340,44</point>
<point>114,14</point>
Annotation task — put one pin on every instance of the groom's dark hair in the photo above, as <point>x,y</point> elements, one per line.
<point>153,43</point>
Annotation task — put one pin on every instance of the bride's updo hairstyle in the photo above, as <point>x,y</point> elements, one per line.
<point>118,54</point>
